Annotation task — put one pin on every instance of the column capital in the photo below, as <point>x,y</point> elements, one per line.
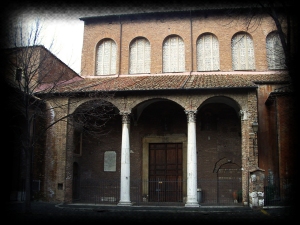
<point>191,115</point>
<point>243,114</point>
<point>125,117</point>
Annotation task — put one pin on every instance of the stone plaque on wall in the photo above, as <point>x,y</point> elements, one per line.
<point>110,161</point>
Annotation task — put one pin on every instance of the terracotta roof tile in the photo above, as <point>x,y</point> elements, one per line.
<point>170,82</point>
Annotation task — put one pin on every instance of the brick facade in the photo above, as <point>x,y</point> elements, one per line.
<point>227,142</point>
<point>224,136</point>
<point>157,29</point>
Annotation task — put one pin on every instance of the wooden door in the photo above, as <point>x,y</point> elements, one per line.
<point>165,172</point>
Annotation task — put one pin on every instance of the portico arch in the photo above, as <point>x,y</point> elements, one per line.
<point>219,141</point>
<point>162,122</point>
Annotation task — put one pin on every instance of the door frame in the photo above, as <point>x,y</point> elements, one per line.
<point>174,138</point>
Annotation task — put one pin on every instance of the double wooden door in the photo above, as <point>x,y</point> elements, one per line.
<point>165,172</point>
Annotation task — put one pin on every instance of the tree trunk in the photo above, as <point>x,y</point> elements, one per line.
<point>27,206</point>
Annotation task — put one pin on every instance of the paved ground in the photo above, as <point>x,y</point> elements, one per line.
<point>46,213</point>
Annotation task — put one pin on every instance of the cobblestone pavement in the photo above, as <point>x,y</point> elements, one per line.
<point>46,213</point>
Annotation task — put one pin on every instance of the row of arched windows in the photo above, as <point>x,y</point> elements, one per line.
<point>174,54</point>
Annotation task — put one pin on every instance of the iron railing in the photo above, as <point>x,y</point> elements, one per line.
<point>162,192</point>
<point>277,191</point>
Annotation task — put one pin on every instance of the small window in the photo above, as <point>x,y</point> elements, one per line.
<point>19,74</point>
<point>173,55</point>
<point>60,186</point>
<point>106,59</point>
<point>242,52</point>
<point>77,142</point>
<point>275,53</point>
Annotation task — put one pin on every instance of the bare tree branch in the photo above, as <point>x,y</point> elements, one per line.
<point>34,74</point>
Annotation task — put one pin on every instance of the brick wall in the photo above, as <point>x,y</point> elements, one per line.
<point>231,138</point>
<point>164,121</point>
<point>157,29</point>
<point>287,135</point>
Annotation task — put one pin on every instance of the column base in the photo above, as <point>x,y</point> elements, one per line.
<point>124,204</point>
<point>192,204</point>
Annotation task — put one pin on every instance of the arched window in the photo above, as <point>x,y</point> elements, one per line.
<point>139,56</point>
<point>242,52</point>
<point>275,53</point>
<point>106,59</point>
<point>208,53</point>
<point>173,55</point>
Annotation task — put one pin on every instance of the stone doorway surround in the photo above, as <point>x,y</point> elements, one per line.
<point>174,138</point>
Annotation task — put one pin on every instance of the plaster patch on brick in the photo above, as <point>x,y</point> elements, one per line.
<point>257,199</point>
<point>51,193</point>
<point>52,115</point>
<point>260,194</point>
<point>243,114</point>
<point>261,202</point>
<point>254,202</point>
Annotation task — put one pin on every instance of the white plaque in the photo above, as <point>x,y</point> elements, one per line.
<point>110,161</point>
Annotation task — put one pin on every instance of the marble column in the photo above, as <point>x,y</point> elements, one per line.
<point>125,162</point>
<point>191,160</point>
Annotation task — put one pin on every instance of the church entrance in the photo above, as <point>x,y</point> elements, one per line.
<point>165,172</point>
